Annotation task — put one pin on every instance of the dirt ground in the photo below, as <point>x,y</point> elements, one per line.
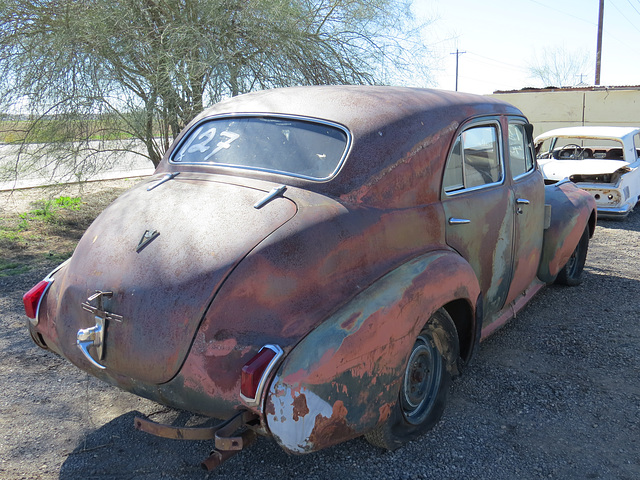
<point>554,394</point>
<point>33,226</point>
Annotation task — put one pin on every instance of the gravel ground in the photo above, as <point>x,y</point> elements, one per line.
<point>554,394</point>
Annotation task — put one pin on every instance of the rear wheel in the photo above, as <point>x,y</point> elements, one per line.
<point>571,273</point>
<point>424,387</point>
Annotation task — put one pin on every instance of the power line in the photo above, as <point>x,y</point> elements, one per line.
<point>637,11</point>
<point>563,12</point>
<point>587,21</point>
<point>626,17</point>
<point>510,65</point>
<point>606,31</point>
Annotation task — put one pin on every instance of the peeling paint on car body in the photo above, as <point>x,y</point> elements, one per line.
<point>341,274</point>
<point>354,359</point>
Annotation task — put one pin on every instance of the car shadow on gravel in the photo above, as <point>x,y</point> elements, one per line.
<point>116,450</point>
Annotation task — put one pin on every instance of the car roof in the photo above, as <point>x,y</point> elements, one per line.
<point>388,125</point>
<point>346,104</point>
<point>590,131</point>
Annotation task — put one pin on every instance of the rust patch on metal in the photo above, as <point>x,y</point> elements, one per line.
<point>385,412</point>
<point>270,409</point>
<point>405,172</point>
<point>175,433</point>
<point>300,408</point>
<point>334,427</point>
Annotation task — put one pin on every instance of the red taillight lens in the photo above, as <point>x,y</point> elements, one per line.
<point>31,299</point>
<point>253,370</point>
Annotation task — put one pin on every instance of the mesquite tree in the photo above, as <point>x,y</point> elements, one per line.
<point>85,76</point>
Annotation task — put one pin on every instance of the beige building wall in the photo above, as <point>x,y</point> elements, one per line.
<point>549,109</point>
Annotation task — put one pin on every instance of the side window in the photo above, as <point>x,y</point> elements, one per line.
<point>453,175</point>
<point>474,160</point>
<point>520,157</point>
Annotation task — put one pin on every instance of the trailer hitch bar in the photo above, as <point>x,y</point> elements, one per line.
<point>228,441</point>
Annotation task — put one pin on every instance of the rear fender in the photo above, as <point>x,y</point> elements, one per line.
<point>571,210</point>
<point>343,378</point>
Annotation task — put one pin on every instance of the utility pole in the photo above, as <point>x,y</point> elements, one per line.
<point>457,54</point>
<point>599,46</point>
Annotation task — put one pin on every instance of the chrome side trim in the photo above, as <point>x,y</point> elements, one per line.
<point>563,181</point>
<point>254,402</point>
<point>615,211</point>
<point>92,336</point>
<point>275,192</point>
<point>490,120</point>
<point>472,189</point>
<point>166,178</point>
<point>49,279</point>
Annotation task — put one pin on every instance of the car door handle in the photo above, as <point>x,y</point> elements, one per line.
<point>458,221</point>
<point>521,201</point>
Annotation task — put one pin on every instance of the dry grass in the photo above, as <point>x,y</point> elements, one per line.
<point>45,224</point>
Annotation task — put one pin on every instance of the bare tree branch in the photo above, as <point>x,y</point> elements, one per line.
<point>140,70</point>
<point>559,68</point>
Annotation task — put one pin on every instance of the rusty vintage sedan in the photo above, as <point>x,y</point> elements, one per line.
<point>315,264</point>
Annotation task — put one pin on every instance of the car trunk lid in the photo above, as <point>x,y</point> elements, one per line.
<point>162,255</point>
<point>559,169</point>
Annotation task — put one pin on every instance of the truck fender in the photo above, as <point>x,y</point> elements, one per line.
<point>344,377</point>
<point>569,210</point>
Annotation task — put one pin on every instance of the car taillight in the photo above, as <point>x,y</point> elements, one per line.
<point>32,298</point>
<point>255,371</point>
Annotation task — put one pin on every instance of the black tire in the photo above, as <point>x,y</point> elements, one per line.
<point>425,385</point>
<point>571,273</point>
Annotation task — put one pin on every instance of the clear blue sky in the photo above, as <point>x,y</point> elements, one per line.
<point>502,38</point>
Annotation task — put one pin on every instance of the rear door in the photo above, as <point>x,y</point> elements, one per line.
<point>528,198</point>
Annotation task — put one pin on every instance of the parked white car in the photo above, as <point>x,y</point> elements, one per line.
<point>604,161</point>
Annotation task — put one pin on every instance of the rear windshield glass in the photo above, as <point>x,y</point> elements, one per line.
<point>294,147</point>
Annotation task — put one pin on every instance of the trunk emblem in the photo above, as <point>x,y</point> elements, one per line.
<point>87,337</point>
<point>147,237</point>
